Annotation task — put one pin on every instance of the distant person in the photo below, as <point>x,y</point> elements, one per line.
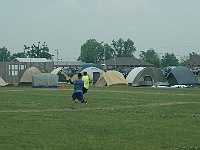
<point>86,80</point>
<point>78,89</point>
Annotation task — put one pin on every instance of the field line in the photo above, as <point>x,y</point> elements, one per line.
<point>112,91</point>
<point>98,108</point>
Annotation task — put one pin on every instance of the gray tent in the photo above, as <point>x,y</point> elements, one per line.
<point>182,76</point>
<point>45,80</point>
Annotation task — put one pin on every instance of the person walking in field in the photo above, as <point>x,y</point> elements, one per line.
<point>78,89</point>
<point>86,80</point>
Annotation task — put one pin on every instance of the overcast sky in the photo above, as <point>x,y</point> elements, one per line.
<point>165,25</point>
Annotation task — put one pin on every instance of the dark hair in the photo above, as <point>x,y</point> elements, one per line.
<point>85,73</point>
<point>79,75</point>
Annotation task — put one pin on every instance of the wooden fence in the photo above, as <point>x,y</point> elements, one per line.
<point>11,71</point>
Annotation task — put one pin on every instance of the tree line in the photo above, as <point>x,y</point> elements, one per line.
<point>93,51</point>
<point>33,51</point>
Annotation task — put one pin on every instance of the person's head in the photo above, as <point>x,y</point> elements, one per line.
<point>84,73</point>
<point>79,75</point>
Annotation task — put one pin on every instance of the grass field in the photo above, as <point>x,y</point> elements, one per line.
<point>115,118</point>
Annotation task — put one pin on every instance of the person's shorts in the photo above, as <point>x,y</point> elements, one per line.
<point>84,90</point>
<point>77,95</point>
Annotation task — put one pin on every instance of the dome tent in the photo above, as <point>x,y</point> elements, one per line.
<point>111,78</point>
<point>93,72</point>
<point>132,74</point>
<point>146,76</point>
<point>26,79</point>
<point>62,75</point>
<point>182,76</point>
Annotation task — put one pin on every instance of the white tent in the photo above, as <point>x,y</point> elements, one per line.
<point>2,82</point>
<point>134,72</point>
<point>93,72</point>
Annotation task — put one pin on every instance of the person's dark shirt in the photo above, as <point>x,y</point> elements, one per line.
<point>78,85</point>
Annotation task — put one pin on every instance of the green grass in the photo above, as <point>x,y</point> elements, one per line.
<point>123,118</point>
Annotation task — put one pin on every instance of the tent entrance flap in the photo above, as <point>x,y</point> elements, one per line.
<point>146,80</point>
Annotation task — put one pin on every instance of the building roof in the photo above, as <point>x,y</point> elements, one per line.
<point>30,60</point>
<point>196,59</point>
<point>132,61</point>
<point>68,63</point>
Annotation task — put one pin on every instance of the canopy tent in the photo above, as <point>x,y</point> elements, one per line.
<point>182,76</point>
<point>2,82</point>
<point>93,72</point>
<point>45,80</point>
<point>26,79</point>
<point>111,78</point>
<point>62,75</point>
<point>146,76</point>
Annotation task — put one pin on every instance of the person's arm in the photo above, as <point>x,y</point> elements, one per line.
<point>70,80</point>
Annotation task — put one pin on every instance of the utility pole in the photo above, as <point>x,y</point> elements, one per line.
<point>104,56</point>
<point>57,53</point>
<point>57,56</point>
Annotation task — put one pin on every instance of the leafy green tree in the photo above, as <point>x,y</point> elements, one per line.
<point>151,57</point>
<point>37,51</point>
<point>123,48</point>
<point>192,54</point>
<point>18,55</point>
<point>169,60</point>
<point>4,54</point>
<point>91,51</point>
<point>183,60</point>
<point>95,52</point>
<point>108,51</point>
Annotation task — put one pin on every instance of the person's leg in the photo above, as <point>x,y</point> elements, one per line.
<point>74,96</point>
<point>80,98</point>
<point>84,90</point>
<point>72,103</point>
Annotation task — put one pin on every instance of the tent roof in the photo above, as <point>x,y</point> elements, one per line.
<point>30,59</point>
<point>2,82</point>
<point>183,76</point>
<point>90,71</point>
<point>137,73</point>
<point>63,77</point>
<point>127,61</point>
<point>134,72</point>
<point>155,73</point>
<point>27,76</point>
<point>112,77</point>
<point>56,70</point>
